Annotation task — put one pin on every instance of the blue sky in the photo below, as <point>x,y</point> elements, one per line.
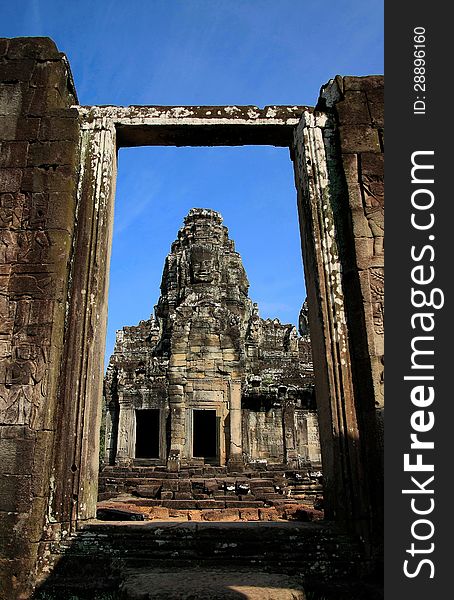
<point>176,52</point>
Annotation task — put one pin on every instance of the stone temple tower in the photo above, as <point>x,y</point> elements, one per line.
<point>203,312</point>
<point>207,380</point>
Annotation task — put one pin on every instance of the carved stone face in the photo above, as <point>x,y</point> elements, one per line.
<point>204,265</point>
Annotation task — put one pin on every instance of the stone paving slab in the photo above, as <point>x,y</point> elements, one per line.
<point>209,585</point>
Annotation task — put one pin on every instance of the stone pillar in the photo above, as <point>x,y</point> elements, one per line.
<point>355,105</point>
<point>111,433</point>
<point>125,444</point>
<point>288,423</point>
<point>313,439</point>
<point>39,135</point>
<point>338,156</point>
<point>177,430</point>
<point>235,461</point>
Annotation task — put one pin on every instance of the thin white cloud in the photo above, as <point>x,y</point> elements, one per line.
<point>35,18</point>
<point>134,203</point>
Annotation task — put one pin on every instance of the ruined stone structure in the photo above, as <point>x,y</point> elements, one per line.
<point>57,182</point>
<point>208,380</point>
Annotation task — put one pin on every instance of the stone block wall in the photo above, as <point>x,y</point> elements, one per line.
<point>52,334</point>
<point>357,105</point>
<point>356,158</point>
<point>338,161</point>
<point>39,136</point>
<point>359,114</point>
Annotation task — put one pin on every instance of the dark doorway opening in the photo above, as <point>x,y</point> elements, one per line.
<point>205,434</point>
<point>147,433</point>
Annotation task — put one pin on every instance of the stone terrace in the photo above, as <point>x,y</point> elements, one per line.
<point>210,493</point>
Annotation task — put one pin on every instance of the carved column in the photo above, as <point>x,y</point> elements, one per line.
<point>80,391</point>
<point>342,463</point>
<point>126,426</point>
<point>339,175</point>
<point>177,422</point>
<point>236,440</point>
<point>288,422</point>
<point>313,439</point>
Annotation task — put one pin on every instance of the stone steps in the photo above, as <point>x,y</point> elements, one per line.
<point>129,508</point>
<point>206,484</point>
<point>104,553</point>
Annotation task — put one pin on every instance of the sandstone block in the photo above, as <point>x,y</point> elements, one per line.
<point>227,514</point>
<point>210,504</point>
<point>194,515</point>
<point>353,109</point>
<point>16,456</point>
<point>59,128</point>
<point>366,84</point>
<point>36,48</point>
<point>183,496</point>
<point>52,153</point>
<point>16,71</point>
<point>10,180</point>
<point>178,504</point>
<point>15,128</point>
<point>249,514</point>
<point>359,138</point>
<point>376,106</point>
<point>158,512</point>
<point>148,491</point>
<point>15,493</point>
<point>178,514</point>
<point>185,485</point>
<point>13,154</point>
<point>268,514</point>
<point>3,46</point>
<point>60,179</point>
<point>372,164</point>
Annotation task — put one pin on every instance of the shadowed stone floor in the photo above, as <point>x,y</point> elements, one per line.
<point>209,584</point>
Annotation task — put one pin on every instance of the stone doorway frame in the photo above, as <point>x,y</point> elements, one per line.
<point>137,419</point>
<point>192,432</point>
<point>311,138</point>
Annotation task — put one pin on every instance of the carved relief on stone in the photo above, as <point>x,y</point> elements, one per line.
<point>17,404</point>
<point>14,210</point>
<point>25,384</point>
<point>303,320</point>
<point>382,377</point>
<point>373,195</point>
<point>376,278</point>
<point>253,332</point>
<point>32,246</point>
<point>204,264</point>
<point>8,247</point>
<point>25,339</point>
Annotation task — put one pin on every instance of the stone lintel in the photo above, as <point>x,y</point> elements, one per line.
<point>195,125</point>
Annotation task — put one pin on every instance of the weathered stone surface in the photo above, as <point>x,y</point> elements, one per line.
<point>115,514</point>
<point>148,491</point>
<point>368,83</point>
<point>354,110</point>
<point>35,48</point>
<point>211,585</point>
<point>36,316</point>
<point>359,138</point>
<point>10,180</point>
<point>208,349</point>
<point>34,270</point>
<point>357,173</point>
